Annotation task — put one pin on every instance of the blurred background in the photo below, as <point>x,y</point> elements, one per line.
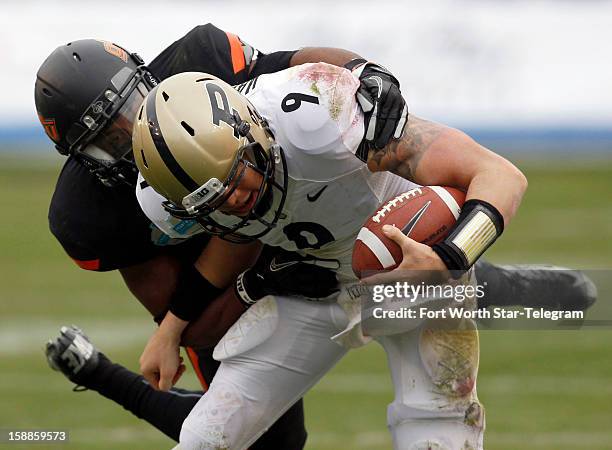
<point>529,79</point>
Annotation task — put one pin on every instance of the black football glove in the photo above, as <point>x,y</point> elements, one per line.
<point>384,107</point>
<point>279,272</point>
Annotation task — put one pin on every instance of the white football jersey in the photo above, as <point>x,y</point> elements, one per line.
<point>315,118</point>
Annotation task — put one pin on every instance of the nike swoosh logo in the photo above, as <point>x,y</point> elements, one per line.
<point>417,216</point>
<point>276,267</point>
<point>313,198</point>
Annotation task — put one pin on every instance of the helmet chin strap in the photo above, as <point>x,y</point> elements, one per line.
<point>267,201</point>
<point>121,172</point>
<point>265,204</point>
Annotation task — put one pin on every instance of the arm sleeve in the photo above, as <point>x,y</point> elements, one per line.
<point>99,228</point>
<point>273,62</point>
<point>101,258</point>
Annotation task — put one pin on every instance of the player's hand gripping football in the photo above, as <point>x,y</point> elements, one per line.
<point>419,262</point>
<point>279,272</point>
<point>385,109</point>
<point>160,363</point>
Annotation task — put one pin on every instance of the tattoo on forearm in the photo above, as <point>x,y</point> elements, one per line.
<point>402,156</point>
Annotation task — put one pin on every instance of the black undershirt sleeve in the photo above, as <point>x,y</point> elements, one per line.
<point>272,62</point>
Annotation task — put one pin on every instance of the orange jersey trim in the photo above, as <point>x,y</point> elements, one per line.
<point>195,362</point>
<point>238,61</point>
<point>90,264</point>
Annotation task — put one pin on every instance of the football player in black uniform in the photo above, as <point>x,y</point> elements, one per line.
<point>86,96</point>
<point>87,93</point>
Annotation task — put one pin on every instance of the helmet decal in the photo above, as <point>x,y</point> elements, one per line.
<point>97,107</point>
<point>50,128</point>
<point>115,50</point>
<point>221,112</point>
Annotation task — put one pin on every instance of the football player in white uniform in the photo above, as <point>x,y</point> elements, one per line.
<point>282,163</point>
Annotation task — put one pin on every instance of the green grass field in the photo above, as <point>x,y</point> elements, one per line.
<point>542,389</point>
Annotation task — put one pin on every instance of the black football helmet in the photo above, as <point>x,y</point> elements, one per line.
<point>87,93</point>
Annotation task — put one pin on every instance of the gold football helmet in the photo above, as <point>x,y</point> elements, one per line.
<point>194,138</point>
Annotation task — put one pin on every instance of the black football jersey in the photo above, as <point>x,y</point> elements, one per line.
<point>103,228</point>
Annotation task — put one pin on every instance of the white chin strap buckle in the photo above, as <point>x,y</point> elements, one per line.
<point>202,195</point>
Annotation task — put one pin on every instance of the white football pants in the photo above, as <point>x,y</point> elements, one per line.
<point>281,347</point>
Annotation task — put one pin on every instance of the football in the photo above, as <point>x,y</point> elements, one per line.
<point>425,214</point>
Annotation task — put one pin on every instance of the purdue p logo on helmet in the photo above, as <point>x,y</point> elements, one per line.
<point>194,138</point>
